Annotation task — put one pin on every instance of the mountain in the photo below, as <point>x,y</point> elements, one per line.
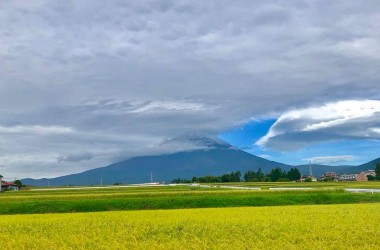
<point>360,168</point>
<point>319,169</point>
<point>208,156</point>
<point>216,161</point>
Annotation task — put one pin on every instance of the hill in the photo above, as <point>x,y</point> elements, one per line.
<point>360,168</point>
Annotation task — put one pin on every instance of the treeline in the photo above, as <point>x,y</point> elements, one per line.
<point>230,177</point>
<point>276,174</point>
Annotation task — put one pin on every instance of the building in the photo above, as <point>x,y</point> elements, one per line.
<point>362,176</point>
<point>330,175</point>
<point>313,179</point>
<point>371,172</point>
<point>348,177</point>
<point>5,185</point>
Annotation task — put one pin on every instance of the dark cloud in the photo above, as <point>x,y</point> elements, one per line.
<point>75,157</point>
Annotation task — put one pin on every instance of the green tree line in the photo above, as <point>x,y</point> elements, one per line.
<point>276,174</point>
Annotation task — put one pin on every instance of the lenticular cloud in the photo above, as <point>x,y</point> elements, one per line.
<point>332,121</point>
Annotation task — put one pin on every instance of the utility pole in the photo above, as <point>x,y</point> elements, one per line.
<point>310,170</point>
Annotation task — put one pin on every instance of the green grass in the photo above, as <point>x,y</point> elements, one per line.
<point>143,198</point>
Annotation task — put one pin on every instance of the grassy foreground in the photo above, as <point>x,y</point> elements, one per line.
<point>139,200</point>
<point>353,226</point>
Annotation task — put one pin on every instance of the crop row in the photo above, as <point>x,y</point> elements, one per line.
<point>354,226</point>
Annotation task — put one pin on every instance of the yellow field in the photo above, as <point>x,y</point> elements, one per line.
<point>354,226</point>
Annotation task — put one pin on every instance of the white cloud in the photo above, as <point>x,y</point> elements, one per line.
<point>330,159</point>
<point>332,121</point>
<point>265,156</point>
<point>169,106</point>
<point>36,129</point>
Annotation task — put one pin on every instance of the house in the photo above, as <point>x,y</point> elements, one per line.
<point>348,177</point>
<point>371,172</point>
<point>330,175</point>
<point>5,185</point>
<point>362,176</point>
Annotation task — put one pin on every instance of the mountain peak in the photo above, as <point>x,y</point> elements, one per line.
<point>198,141</point>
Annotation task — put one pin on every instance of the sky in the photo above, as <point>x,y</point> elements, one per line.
<point>87,83</point>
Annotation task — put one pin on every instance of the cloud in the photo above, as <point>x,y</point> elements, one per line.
<point>75,157</point>
<point>330,159</point>
<point>332,121</point>
<point>265,156</point>
<point>117,79</point>
<point>36,129</point>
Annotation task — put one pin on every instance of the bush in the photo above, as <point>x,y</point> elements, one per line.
<point>283,180</point>
<point>371,178</point>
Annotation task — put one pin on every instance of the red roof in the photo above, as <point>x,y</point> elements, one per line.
<point>7,183</point>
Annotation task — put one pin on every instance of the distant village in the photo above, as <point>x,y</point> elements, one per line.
<point>280,175</point>
<point>362,176</point>
<point>368,175</point>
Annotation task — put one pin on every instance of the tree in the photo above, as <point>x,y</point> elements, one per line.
<point>236,176</point>
<point>371,177</point>
<point>308,179</point>
<point>332,178</point>
<point>377,170</point>
<point>259,175</point>
<point>226,178</point>
<point>204,179</point>
<point>250,176</point>
<point>18,183</point>
<point>276,174</point>
<point>293,174</point>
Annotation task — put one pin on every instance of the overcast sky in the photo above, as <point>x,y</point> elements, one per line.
<point>87,83</point>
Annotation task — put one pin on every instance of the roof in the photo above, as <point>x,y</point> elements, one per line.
<point>7,183</point>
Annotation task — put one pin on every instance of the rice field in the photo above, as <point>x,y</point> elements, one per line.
<point>75,201</point>
<point>350,226</point>
<point>113,198</point>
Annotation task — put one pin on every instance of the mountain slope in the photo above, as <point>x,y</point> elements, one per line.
<point>360,168</point>
<point>168,167</point>
<point>318,169</point>
<point>215,161</point>
<point>204,156</point>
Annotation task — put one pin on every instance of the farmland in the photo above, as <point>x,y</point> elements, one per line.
<point>177,197</point>
<point>187,217</point>
<point>170,197</point>
<point>353,226</point>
